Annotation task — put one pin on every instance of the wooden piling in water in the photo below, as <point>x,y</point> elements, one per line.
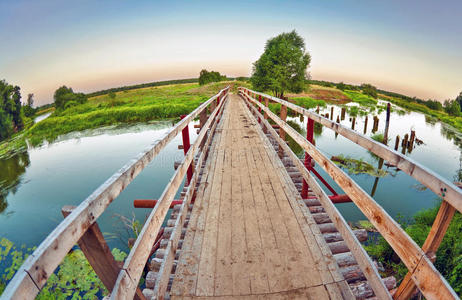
<point>343,113</point>
<point>397,143</point>
<point>404,143</point>
<point>411,141</point>
<point>317,110</point>
<point>332,113</point>
<point>353,124</point>
<point>338,121</point>
<point>365,125</point>
<point>387,125</point>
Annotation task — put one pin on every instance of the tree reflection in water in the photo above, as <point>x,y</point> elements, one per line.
<point>11,171</point>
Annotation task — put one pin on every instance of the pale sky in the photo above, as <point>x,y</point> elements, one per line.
<point>411,47</point>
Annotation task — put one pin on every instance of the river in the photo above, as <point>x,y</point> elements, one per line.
<point>36,184</point>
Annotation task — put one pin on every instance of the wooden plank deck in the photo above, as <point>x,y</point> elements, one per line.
<point>249,235</point>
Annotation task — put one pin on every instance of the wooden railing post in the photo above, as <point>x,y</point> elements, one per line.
<point>98,254</point>
<point>186,146</point>
<point>442,221</point>
<point>309,137</point>
<point>282,133</point>
<point>266,104</point>
<point>259,100</point>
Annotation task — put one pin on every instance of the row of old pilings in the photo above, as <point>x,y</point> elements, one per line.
<point>407,143</point>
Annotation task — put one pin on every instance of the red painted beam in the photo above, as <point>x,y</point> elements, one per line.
<point>186,146</point>
<point>150,203</point>
<point>309,137</point>
<point>337,198</point>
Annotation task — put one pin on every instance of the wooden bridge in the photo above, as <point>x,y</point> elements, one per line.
<point>252,221</point>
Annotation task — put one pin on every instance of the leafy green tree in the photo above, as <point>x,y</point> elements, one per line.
<point>452,107</point>
<point>29,111</point>
<point>66,94</point>
<point>30,100</point>
<point>112,95</point>
<point>208,77</point>
<point>341,86</point>
<point>369,90</point>
<point>459,99</point>
<point>282,66</point>
<point>433,104</point>
<point>10,110</point>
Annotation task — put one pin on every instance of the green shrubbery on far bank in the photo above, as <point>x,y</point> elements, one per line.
<point>454,121</point>
<point>128,106</point>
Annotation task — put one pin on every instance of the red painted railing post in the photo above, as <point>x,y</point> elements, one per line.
<point>309,137</point>
<point>186,146</point>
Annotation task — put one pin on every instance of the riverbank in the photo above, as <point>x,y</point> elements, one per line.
<point>127,107</point>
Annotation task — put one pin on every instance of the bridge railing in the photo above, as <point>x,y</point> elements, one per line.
<point>79,225</point>
<point>419,261</point>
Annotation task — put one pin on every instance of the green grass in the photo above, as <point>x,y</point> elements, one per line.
<point>130,106</point>
<point>442,116</point>
<point>308,102</point>
<point>360,98</point>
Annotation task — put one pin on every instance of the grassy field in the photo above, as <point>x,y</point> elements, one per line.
<point>171,101</point>
<point>131,106</point>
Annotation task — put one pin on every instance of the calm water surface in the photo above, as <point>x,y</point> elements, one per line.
<point>38,183</point>
<point>35,185</point>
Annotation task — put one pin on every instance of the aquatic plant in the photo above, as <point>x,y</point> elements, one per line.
<point>74,278</point>
<point>357,166</point>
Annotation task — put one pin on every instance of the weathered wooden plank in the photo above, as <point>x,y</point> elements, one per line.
<point>278,278</point>
<point>164,272</point>
<point>255,253</point>
<point>140,251</point>
<point>186,274</point>
<point>328,272</point>
<point>206,273</point>
<point>403,245</point>
<point>240,268</point>
<point>223,265</point>
<point>303,262</point>
<point>49,254</point>
<point>439,185</point>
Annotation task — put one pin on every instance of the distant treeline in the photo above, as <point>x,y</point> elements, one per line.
<point>451,107</point>
<point>142,85</point>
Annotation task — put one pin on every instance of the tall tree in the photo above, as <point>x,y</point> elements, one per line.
<point>282,66</point>
<point>29,111</point>
<point>369,90</point>
<point>212,76</point>
<point>10,109</point>
<point>65,95</point>
<point>452,107</point>
<point>30,100</point>
<point>459,99</point>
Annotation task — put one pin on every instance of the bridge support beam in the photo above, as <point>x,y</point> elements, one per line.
<point>309,137</point>
<point>186,146</point>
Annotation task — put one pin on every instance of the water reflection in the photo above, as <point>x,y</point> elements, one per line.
<point>11,173</point>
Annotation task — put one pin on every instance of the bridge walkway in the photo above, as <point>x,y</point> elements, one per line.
<point>250,235</point>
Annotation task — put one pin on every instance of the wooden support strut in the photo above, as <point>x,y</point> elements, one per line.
<point>186,146</point>
<point>431,245</point>
<point>98,254</point>
<point>309,137</point>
